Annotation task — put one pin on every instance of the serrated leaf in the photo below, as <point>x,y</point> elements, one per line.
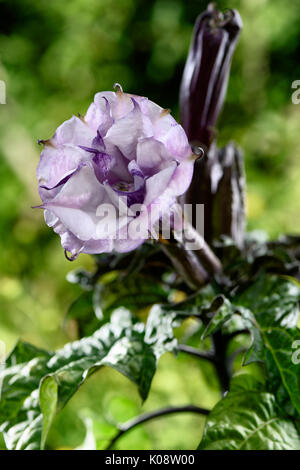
<point>271,309</point>
<point>24,352</point>
<point>259,254</point>
<point>248,418</point>
<point>32,389</point>
<point>274,301</point>
<point>283,371</point>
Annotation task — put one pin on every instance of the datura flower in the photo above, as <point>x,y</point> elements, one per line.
<point>106,178</point>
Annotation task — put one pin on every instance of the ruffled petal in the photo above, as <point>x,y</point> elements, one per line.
<point>176,142</point>
<point>72,244</point>
<point>127,130</point>
<point>69,242</point>
<point>73,131</point>
<point>121,106</point>
<point>182,178</point>
<point>157,184</point>
<point>150,109</point>
<point>103,163</point>
<point>96,247</point>
<point>162,124</point>
<point>99,115</point>
<point>56,164</point>
<point>76,204</point>
<point>152,156</point>
<point>124,246</point>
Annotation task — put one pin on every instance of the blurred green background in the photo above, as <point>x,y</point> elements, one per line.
<point>54,56</point>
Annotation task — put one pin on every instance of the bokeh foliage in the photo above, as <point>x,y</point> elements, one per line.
<point>54,57</point>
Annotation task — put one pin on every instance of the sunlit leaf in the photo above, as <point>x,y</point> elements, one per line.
<point>248,418</point>
<point>31,390</point>
<point>270,308</point>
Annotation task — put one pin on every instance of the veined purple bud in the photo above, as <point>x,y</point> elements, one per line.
<point>219,183</point>
<point>206,72</point>
<point>126,152</point>
<point>229,201</point>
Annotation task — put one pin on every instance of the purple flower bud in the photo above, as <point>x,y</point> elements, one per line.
<point>206,72</point>
<point>126,148</point>
<point>229,200</point>
<point>219,183</point>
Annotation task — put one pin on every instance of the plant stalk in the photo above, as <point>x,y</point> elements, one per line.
<point>155,414</point>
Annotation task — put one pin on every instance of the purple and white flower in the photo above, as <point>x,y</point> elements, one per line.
<point>126,148</point>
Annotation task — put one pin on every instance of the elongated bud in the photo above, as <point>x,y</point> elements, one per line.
<point>219,183</point>
<point>229,200</point>
<point>206,72</point>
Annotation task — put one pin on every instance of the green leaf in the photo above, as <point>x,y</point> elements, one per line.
<point>248,418</point>
<point>259,254</point>
<point>93,307</point>
<point>19,379</point>
<point>48,402</point>
<point>196,304</point>
<point>273,300</point>
<point>32,390</point>
<point>207,305</point>
<point>82,312</point>
<point>24,352</point>
<point>283,371</point>
<point>159,330</point>
<point>134,293</point>
<point>271,309</point>
<point>222,310</point>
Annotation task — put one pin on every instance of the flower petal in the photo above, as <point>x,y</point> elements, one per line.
<point>176,142</point>
<point>124,246</point>
<point>152,156</point>
<point>99,116</point>
<point>127,130</point>
<point>157,184</point>
<point>182,178</point>
<point>76,204</point>
<point>58,163</point>
<point>71,243</point>
<point>73,131</point>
